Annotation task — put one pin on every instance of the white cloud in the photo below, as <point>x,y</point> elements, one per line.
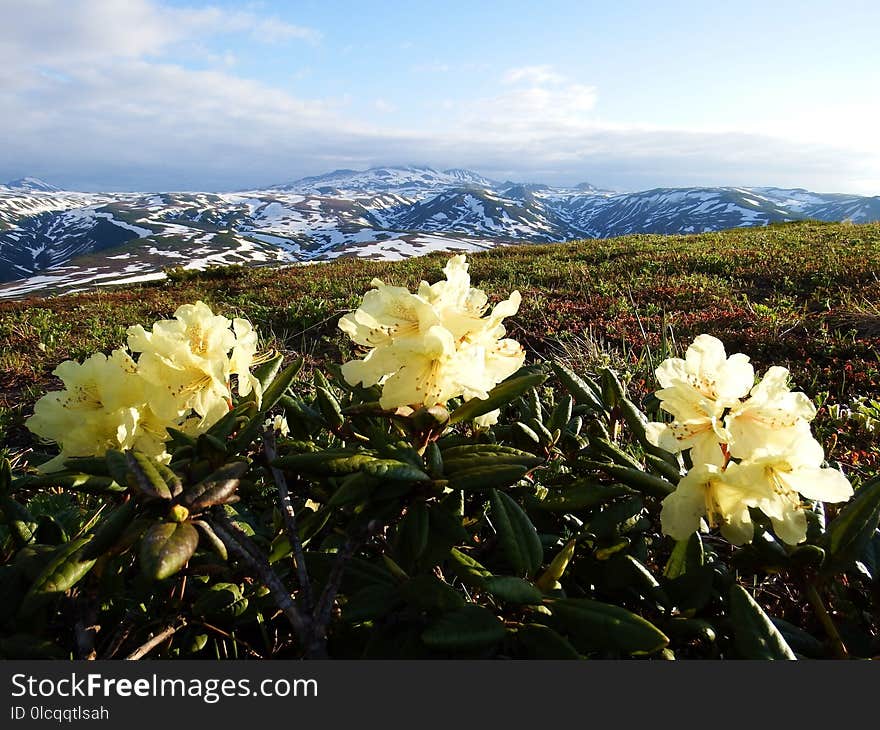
<point>543,74</point>
<point>89,100</point>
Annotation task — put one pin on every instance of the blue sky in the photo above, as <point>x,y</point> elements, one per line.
<point>148,95</point>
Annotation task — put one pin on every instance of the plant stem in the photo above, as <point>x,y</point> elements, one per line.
<point>240,544</point>
<point>827,623</point>
<point>289,516</point>
<point>148,646</point>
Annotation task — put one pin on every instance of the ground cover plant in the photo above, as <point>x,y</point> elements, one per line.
<point>651,446</point>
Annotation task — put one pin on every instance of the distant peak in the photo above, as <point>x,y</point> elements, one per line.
<point>33,184</point>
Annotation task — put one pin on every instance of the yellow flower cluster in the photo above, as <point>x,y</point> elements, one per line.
<point>180,380</point>
<point>750,445</point>
<point>439,343</point>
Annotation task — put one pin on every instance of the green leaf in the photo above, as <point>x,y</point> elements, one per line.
<point>65,569</point>
<point>500,395</point>
<point>412,534</point>
<point>266,372</point>
<point>513,590</point>
<point>561,414</point>
<point>144,476</point>
<point>541,642</point>
<point>488,459</point>
<point>329,407</point>
<point>5,477</point>
<point>217,545</point>
<point>221,600</point>
<point>280,383</point>
<point>754,633</point>
<point>490,477</point>
<point>468,570</point>
<point>370,603</point>
<point>19,521</point>
<point>166,547</point>
<point>851,531</point>
<point>110,529</point>
<point>613,452</point>
<point>557,567</point>
<point>430,594</point>
<point>393,470</point>
<point>516,534</point>
<point>581,495</point>
<point>595,626</point>
<point>355,488</point>
<point>635,478</point>
<point>686,557</point>
<point>340,462</point>
<point>584,392</point>
<point>216,488</point>
<point>470,627</point>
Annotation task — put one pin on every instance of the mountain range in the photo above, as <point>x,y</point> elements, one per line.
<point>53,240</point>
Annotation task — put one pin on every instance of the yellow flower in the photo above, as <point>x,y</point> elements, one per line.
<point>244,356</point>
<point>784,475</point>
<point>187,362</point>
<point>696,392</point>
<point>771,416</point>
<point>101,407</point>
<point>434,345</point>
<point>706,493</point>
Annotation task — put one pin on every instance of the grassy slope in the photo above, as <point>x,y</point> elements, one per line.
<point>803,295</point>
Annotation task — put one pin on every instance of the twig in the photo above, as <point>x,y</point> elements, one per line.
<point>334,580</point>
<point>226,635</point>
<point>240,544</point>
<point>148,646</point>
<point>827,623</point>
<point>289,515</point>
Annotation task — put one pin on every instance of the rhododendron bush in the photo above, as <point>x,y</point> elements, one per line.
<point>438,494</point>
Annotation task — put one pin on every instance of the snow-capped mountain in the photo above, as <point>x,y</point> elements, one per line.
<point>55,240</point>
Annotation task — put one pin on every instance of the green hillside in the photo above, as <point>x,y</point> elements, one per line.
<point>802,294</point>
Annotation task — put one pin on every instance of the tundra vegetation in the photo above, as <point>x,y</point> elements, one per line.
<point>652,446</point>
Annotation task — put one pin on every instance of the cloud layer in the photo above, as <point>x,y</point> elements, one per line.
<point>90,100</point>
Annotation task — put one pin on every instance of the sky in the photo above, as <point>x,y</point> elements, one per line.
<point>631,94</point>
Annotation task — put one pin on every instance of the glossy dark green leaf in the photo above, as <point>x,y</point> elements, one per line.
<point>469,627</point>
<point>145,477</point>
<point>279,385</point>
<point>541,642</point>
<point>266,372</point>
<point>221,600</point>
<point>636,478</point>
<point>583,392</point>
<point>412,534</point>
<point>581,495</point>
<point>754,633</point>
<point>517,535</point>
<point>430,594</point>
<point>511,589</point>
<point>63,571</point>
<point>329,407</point>
<point>18,519</point>
<point>467,569</point>
<point>110,529</point>
<point>687,557</point>
<point>370,603</point>
<point>166,547</point>
<point>491,477</point>
<point>489,459</point>
<point>595,626</point>
<point>211,538</point>
<point>217,488</point>
<point>851,531</point>
<point>500,395</point>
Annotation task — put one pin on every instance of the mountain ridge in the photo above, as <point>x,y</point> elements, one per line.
<point>61,240</point>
